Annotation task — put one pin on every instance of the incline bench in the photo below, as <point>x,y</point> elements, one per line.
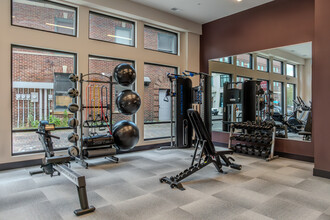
<point>207,154</point>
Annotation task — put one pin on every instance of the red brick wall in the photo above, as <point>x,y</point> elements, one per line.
<point>36,17</point>
<point>29,65</point>
<point>159,80</point>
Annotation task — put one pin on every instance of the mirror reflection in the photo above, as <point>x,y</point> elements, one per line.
<point>282,95</point>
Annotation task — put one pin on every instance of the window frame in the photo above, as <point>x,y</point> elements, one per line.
<point>250,62</point>
<point>245,77</point>
<point>281,69</point>
<point>12,131</point>
<point>282,94</point>
<point>158,122</point>
<point>294,93</point>
<point>294,70</point>
<point>54,3</point>
<point>267,68</point>
<point>163,30</point>
<point>116,18</point>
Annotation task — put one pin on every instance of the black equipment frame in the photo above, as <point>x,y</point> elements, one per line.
<point>206,155</point>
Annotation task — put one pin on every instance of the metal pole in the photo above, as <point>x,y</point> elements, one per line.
<point>45,104</point>
<point>18,110</point>
<point>40,104</point>
<point>171,95</point>
<point>80,103</point>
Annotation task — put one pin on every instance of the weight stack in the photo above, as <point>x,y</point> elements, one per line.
<point>249,90</point>
<point>183,128</point>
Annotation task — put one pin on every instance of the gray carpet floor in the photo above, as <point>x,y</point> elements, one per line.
<point>280,189</point>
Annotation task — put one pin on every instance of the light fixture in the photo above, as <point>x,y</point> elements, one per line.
<point>176,9</point>
<point>125,38</point>
<point>238,0</point>
<point>60,26</point>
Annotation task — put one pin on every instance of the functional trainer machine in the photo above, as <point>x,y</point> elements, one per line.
<point>52,164</point>
<point>182,97</point>
<point>206,155</point>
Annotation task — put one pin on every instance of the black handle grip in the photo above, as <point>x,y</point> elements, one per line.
<point>49,135</point>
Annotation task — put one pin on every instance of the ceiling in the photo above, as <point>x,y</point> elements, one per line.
<point>202,11</point>
<point>303,50</point>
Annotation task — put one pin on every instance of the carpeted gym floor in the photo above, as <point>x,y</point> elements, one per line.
<point>280,189</point>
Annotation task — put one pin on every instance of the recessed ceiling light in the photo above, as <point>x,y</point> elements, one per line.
<point>176,9</point>
<point>238,0</point>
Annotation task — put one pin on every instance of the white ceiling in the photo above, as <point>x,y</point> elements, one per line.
<point>202,11</point>
<point>303,50</point>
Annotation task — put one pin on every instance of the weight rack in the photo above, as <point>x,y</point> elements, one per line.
<point>108,151</point>
<point>248,133</point>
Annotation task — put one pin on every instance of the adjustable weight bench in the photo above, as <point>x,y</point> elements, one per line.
<point>206,156</point>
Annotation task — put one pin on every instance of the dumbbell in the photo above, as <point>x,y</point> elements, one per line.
<point>244,149</point>
<point>233,148</point>
<point>259,139</point>
<point>251,150</point>
<point>238,148</point>
<point>247,137</point>
<point>240,137</point>
<point>257,151</point>
<point>266,139</point>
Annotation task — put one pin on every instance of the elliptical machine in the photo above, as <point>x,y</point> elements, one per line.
<point>58,165</point>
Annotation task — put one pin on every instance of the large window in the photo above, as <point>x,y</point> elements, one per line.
<point>160,40</point>
<point>110,29</point>
<point>105,66</point>
<point>217,83</point>
<point>262,64</point>
<point>44,15</point>
<point>157,103</point>
<point>290,96</point>
<point>244,60</point>
<point>241,79</point>
<point>278,97</point>
<point>39,84</point>
<point>290,70</point>
<point>277,67</point>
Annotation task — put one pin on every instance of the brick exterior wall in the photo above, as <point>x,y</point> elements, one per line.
<point>159,80</point>
<point>34,16</point>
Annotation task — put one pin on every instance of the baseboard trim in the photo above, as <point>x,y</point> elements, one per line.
<point>321,173</point>
<point>20,164</point>
<point>295,156</point>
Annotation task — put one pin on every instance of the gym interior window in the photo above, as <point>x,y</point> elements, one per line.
<point>290,70</point>
<point>39,81</point>
<point>160,40</point>
<point>218,79</point>
<point>244,60</point>
<point>278,97</point>
<point>157,103</point>
<point>45,15</point>
<point>264,84</point>
<point>105,66</point>
<point>277,67</point>
<point>241,79</point>
<point>290,96</point>
<point>262,64</point>
<point>226,60</point>
<point>110,29</point>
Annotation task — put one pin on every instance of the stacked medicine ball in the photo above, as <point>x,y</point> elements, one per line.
<point>126,133</point>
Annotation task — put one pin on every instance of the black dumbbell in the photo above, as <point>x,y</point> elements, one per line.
<point>257,151</point>
<point>244,149</point>
<point>247,137</point>
<point>253,138</point>
<point>251,150</point>
<point>266,139</point>
<point>259,139</point>
<point>238,148</point>
<point>240,137</point>
<point>233,148</point>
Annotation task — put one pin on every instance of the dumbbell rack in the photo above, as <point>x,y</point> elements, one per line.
<point>248,133</point>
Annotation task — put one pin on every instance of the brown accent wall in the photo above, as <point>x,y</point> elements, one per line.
<point>278,23</point>
<point>320,85</point>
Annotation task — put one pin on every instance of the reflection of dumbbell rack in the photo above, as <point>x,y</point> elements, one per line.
<point>95,145</point>
<point>258,139</point>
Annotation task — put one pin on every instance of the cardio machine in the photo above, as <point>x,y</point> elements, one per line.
<point>58,165</point>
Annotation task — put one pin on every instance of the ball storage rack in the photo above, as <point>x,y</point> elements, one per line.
<point>103,150</point>
<point>248,133</point>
